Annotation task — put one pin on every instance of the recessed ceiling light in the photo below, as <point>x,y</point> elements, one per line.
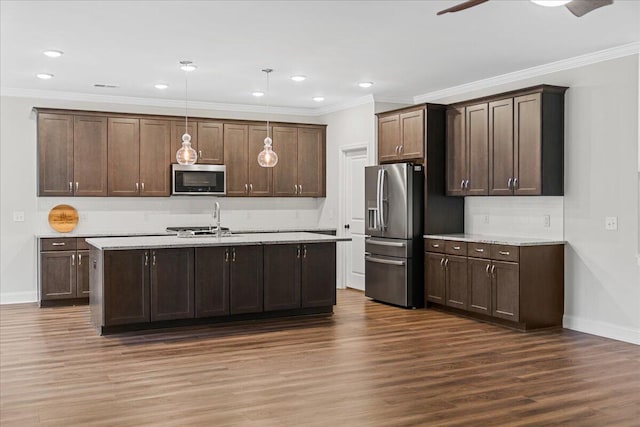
<point>551,3</point>
<point>318,98</point>
<point>44,76</point>
<point>106,85</point>
<point>365,84</point>
<point>298,78</point>
<point>257,94</point>
<point>53,53</point>
<point>187,66</point>
<point>161,86</point>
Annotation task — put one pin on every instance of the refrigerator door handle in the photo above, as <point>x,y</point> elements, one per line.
<point>383,223</point>
<point>384,261</point>
<point>377,225</point>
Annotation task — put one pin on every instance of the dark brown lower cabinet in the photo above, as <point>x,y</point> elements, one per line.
<point>318,275</point>
<point>282,277</point>
<point>434,277</point>
<point>480,285</point>
<point>456,290</point>
<point>246,285</point>
<point>506,290</point>
<point>212,281</point>
<point>172,284</point>
<point>58,275</point>
<point>126,287</point>
<point>82,274</point>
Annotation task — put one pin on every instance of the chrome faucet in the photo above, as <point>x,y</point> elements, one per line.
<point>215,215</point>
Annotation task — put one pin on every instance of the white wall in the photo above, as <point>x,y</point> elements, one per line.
<point>602,275</point>
<point>18,179</point>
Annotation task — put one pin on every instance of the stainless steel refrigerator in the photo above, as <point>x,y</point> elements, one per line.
<point>393,225</point>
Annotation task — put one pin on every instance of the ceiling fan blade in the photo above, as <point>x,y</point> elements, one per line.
<point>462,6</point>
<point>582,7</point>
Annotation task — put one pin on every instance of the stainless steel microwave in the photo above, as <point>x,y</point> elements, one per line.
<point>198,180</point>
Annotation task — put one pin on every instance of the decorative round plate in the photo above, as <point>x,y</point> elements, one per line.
<point>63,218</point>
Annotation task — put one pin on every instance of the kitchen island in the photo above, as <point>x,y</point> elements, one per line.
<point>156,281</point>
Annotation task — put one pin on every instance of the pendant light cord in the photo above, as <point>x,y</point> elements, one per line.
<point>186,120</point>
<point>268,71</point>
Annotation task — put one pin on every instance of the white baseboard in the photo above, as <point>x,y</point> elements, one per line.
<point>602,329</point>
<point>18,297</point>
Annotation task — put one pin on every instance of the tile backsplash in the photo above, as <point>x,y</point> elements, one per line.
<point>530,216</point>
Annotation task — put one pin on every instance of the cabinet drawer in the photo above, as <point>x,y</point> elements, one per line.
<point>505,253</point>
<point>81,244</point>
<point>62,244</point>
<point>455,248</point>
<point>479,250</point>
<point>434,245</point>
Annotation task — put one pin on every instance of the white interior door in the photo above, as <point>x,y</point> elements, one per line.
<point>352,215</point>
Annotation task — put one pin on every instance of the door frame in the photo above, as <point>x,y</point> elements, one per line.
<point>341,251</point>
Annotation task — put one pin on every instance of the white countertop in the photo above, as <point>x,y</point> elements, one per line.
<point>498,240</point>
<point>158,242</point>
<point>165,233</point>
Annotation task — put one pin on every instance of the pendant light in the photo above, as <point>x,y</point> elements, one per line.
<point>267,157</point>
<point>186,155</point>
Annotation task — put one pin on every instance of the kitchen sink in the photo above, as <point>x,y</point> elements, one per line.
<point>205,233</point>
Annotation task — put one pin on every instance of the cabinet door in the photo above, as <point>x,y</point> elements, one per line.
<point>260,179</point>
<point>456,151</point>
<point>155,162</point>
<point>456,282</point>
<point>126,287</point>
<point>388,138</point>
<point>311,160</point>
<point>57,275</point>
<point>501,147</point>
<point>285,174</point>
<point>477,134</point>
<point>82,274</point>
<point>528,145</point>
<point>246,286</point>
<point>123,156</point>
<point>282,277</point>
<point>212,281</point>
<point>434,277</point>
<point>479,285</point>
<point>210,143</point>
<point>177,130</point>
<point>90,156</point>
<point>172,286</point>
<point>506,290</point>
<point>318,275</point>
<point>235,157</point>
<point>412,135</point>
<point>55,155</point>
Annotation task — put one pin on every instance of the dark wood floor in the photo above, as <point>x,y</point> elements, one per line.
<point>367,365</point>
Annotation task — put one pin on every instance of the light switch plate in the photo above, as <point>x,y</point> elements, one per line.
<point>18,216</point>
<point>547,221</point>
<point>611,223</point>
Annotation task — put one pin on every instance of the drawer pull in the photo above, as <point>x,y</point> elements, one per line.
<point>503,252</point>
<point>58,244</point>
<point>479,250</point>
<point>456,248</point>
<point>384,261</point>
<point>435,245</point>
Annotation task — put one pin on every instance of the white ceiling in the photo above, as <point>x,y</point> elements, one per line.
<point>401,46</point>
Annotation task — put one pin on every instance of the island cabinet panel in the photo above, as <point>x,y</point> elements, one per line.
<point>126,287</point>
<point>172,284</point>
<point>90,156</point>
<point>177,130</point>
<point>155,170</point>
<point>55,155</point>
<point>282,277</point>
<point>260,179</point>
<point>285,174</point>
<point>210,143</point>
<point>124,156</point>
<point>212,281</point>
<point>318,275</point>
<point>246,285</point>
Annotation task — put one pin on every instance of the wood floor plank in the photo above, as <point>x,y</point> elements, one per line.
<point>369,364</point>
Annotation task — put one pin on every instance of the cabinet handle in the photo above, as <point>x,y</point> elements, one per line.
<point>154,259</point>
<point>487,269</point>
<point>509,183</point>
<point>493,270</point>
<point>73,259</point>
<point>77,186</point>
<point>462,185</point>
<point>515,183</point>
<point>200,154</point>
<point>226,255</point>
<point>446,263</point>
<point>503,252</point>
<point>250,188</point>
<point>143,186</point>
<point>58,244</point>
<point>137,187</point>
<point>70,187</point>
<point>146,258</point>
<point>456,248</point>
<point>79,259</point>
<point>401,148</point>
<point>479,250</point>
<point>233,258</point>
<point>442,263</point>
<point>300,189</point>
<point>295,188</point>
<point>304,251</point>
<point>246,188</point>
<point>466,184</point>
<point>298,252</point>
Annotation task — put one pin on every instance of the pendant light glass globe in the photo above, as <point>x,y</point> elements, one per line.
<point>186,155</point>
<point>551,3</point>
<point>267,157</point>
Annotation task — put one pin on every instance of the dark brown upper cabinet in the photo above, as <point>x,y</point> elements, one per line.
<point>210,143</point>
<point>72,155</point>
<point>124,156</point>
<point>285,174</point>
<point>401,135</point>
<point>177,130</point>
<point>525,144</point>
<point>245,177</point>
<point>260,179</point>
<point>155,146</point>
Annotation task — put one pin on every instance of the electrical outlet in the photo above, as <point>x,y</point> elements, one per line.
<point>611,223</point>
<point>547,221</point>
<point>18,216</point>
<point>485,219</point>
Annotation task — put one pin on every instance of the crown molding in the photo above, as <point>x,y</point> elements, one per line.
<point>405,100</point>
<point>152,102</point>
<point>540,70</point>
<point>367,99</point>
